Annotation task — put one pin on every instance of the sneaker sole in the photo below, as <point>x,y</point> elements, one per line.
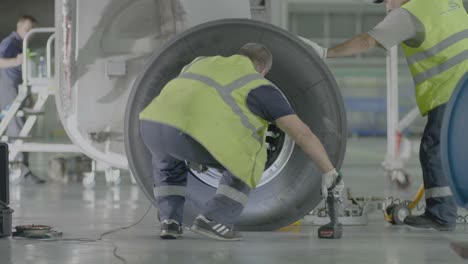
<point>433,227</point>
<point>211,235</point>
<point>419,226</point>
<point>445,229</point>
<point>169,235</point>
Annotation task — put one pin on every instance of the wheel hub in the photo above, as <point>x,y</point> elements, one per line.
<point>279,150</point>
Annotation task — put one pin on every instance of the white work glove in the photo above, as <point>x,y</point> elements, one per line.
<point>328,180</point>
<point>321,51</point>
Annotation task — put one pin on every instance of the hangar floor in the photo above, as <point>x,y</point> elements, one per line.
<point>81,213</point>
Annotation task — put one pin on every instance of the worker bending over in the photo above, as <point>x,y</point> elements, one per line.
<point>434,38</point>
<point>216,113</point>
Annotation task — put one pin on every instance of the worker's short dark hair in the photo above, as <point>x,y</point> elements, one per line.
<point>29,18</point>
<point>259,54</point>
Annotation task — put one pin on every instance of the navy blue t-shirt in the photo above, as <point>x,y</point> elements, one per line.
<point>268,103</point>
<point>10,48</point>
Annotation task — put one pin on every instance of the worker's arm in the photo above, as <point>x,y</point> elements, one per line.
<point>311,145</point>
<point>9,63</point>
<point>398,26</point>
<point>306,139</point>
<point>358,44</point>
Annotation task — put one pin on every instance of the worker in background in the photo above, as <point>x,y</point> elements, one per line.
<point>216,113</point>
<point>11,58</point>
<point>434,37</point>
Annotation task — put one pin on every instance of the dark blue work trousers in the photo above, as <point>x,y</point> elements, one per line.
<point>170,149</point>
<point>440,203</point>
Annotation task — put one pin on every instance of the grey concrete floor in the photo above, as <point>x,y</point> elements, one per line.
<point>81,213</point>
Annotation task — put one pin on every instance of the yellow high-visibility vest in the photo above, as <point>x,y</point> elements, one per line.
<point>439,63</point>
<point>208,101</point>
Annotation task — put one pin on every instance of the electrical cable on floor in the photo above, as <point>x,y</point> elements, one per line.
<point>126,227</point>
<point>116,248</point>
<point>89,240</point>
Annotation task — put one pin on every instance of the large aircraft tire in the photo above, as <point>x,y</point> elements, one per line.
<point>294,189</point>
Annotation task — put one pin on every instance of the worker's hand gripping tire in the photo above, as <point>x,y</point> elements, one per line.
<point>321,51</point>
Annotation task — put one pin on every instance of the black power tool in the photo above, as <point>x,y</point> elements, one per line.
<point>334,229</point>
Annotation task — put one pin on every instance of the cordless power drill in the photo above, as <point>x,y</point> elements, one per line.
<point>334,229</point>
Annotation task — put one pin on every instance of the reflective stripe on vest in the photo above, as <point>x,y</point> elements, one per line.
<point>438,48</point>
<point>225,93</point>
<point>454,61</point>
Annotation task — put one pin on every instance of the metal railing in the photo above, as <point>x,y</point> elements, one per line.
<point>49,55</point>
<point>25,66</point>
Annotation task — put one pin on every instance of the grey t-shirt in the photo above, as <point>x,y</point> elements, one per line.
<point>399,26</point>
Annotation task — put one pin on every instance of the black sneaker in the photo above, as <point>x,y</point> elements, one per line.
<point>170,229</point>
<point>427,221</point>
<point>214,230</point>
<point>31,178</point>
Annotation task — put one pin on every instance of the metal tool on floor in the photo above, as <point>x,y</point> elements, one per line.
<point>36,232</point>
<point>396,212</point>
<point>334,229</point>
<point>354,212</point>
